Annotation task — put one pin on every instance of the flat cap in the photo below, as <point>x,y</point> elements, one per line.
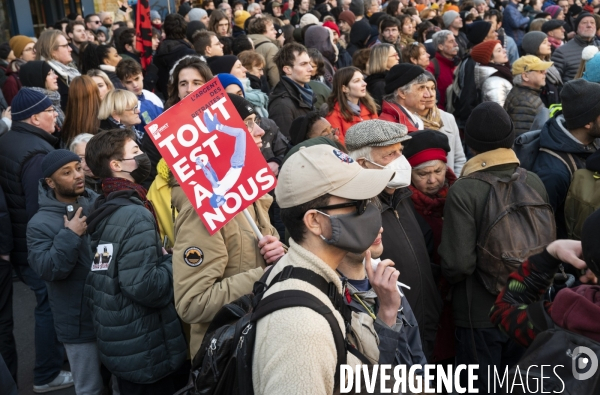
<point>375,133</point>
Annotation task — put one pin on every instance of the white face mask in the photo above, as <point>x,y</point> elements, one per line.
<point>403,171</point>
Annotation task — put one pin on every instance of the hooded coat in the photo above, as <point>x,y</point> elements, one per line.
<point>167,54</point>
<point>62,259</point>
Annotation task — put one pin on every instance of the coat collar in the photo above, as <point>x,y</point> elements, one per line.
<point>497,157</point>
<point>19,126</point>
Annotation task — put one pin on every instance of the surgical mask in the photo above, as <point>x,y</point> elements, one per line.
<point>354,232</point>
<point>141,173</point>
<point>403,171</point>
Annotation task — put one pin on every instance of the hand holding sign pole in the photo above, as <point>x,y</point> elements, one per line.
<point>204,142</point>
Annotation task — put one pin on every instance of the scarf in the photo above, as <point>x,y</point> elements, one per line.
<point>354,107</point>
<point>115,184</point>
<point>432,206</point>
<point>54,97</point>
<point>306,93</point>
<point>503,71</point>
<point>555,42</point>
<point>117,123</point>
<point>553,75</point>
<point>67,73</point>
<point>106,67</point>
<point>433,119</point>
<point>406,40</point>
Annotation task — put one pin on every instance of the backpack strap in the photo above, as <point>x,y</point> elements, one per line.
<point>295,298</point>
<point>259,44</point>
<point>565,158</point>
<point>539,317</point>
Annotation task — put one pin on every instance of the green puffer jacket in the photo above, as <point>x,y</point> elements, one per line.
<point>523,104</point>
<point>140,338</point>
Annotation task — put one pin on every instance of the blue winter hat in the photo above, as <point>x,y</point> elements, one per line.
<point>592,66</point>
<point>229,79</point>
<point>27,103</point>
<point>54,160</point>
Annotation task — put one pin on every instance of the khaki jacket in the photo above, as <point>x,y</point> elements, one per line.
<point>230,262</point>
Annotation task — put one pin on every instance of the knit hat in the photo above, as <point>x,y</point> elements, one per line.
<point>482,53</point>
<point>221,64</point>
<point>551,25</point>
<point>489,127</point>
<point>400,75</point>
<point>240,17</point>
<point>553,10</point>
<point>426,145</point>
<point>449,17</point>
<point>360,33</point>
<point>154,15</point>
<point>532,41</point>
<point>196,14</point>
<point>331,25</point>
<point>478,2</point>
<point>4,50</point>
<point>589,242</point>
<point>478,31</point>
<point>102,29</point>
<point>28,102</point>
<point>228,79</point>
<point>299,129</point>
<point>34,73</point>
<point>357,7</point>
<point>592,66</point>
<point>529,63</point>
<point>192,28</point>
<point>243,106</point>
<point>18,44</point>
<point>105,14</point>
<point>574,10</point>
<point>56,159</point>
<point>375,133</point>
<point>184,8</point>
<point>348,17</point>
<point>308,19</point>
<point>580,101</point>
<point>579,18</point>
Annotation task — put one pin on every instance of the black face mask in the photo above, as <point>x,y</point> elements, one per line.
<point>143,168</point>
<point>354,232</point>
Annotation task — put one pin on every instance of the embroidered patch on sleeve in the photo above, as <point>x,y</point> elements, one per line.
<point>193,256</point>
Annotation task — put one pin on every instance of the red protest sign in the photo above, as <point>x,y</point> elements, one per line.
<point>211,153</point>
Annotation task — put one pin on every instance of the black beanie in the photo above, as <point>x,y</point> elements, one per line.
<point>551,25</point>
<point>56,159</point>
<point>221,64</point>
<point>589,242</point>
<point>299,129</point>
<point>4,50</point>
<point>184,9</point>
<point>478,31</point>
<point>33,74</point>
<point>192,28</point>
<point>489,127</point>
<point>580,102</point>
<point>400,75</point>
<point>579,18</point>
<point>243,106</point>
<point>360,33</point>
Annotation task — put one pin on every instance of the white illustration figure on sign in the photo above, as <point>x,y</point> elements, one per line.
<point>221,187</point>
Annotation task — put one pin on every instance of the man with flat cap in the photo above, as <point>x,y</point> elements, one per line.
<point>377,145</point>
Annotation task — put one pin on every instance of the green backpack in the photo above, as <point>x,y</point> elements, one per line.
<point>582,200</point>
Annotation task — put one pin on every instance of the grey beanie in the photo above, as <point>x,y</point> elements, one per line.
<point>581,102</point>
<point>449,17</point>
<point>154,15</point>
<point>196,14</point>
<point>532,41</point>
<point>375,133</point>
<point>357,7</point>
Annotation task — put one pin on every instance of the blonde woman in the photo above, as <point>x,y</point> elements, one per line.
<point>53,47</point>
<point>104,83</point>
<point>119,109</point>
<point>383,58</point>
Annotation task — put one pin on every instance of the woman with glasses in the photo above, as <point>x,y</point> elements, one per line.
<point>119,109</point>
<point>383,57</point>
<point>53,47</point>
<point>349,102</point>
<point>37,75</point>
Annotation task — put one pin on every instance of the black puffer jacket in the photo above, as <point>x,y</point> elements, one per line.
<point>168,53</point>
<point>139,334</point>
<point>376,86</point>
<point>523,104</point>
<point>285,105</point>
<point>405,246</point>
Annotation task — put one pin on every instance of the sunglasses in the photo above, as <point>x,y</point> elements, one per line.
<point>361,206</point>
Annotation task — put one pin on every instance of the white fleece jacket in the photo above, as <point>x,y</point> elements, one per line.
<point>294,351</point>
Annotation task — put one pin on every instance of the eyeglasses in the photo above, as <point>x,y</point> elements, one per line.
<point>32,49</point>
<point>63,46</point>
<point>250,124</point>
<point>330,132</point>
<point>361,206</point>
<point>50,110</point>
<point>137,107</point>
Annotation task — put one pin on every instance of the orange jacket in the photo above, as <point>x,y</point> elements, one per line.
<point>336,119</point>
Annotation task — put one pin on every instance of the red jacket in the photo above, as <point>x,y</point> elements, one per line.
<point>393,113</point>
<point>336,119</point>
<point>444,78</point>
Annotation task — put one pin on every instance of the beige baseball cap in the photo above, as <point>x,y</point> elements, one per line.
<point>322,169</point>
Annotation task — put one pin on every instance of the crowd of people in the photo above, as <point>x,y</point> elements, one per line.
<point>456,144</point>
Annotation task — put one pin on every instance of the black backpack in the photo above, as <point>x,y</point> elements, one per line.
<point>223,364</point>
<point>554,346</point>
<point>527,148</point>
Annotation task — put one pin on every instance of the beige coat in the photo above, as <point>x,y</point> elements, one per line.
<point>231,263</point>
<point>268,49</point>
<point>294,351</point>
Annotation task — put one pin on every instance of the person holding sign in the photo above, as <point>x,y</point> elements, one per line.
<point>211,271</point>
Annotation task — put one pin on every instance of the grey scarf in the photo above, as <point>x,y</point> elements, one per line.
<point>54,97</point>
